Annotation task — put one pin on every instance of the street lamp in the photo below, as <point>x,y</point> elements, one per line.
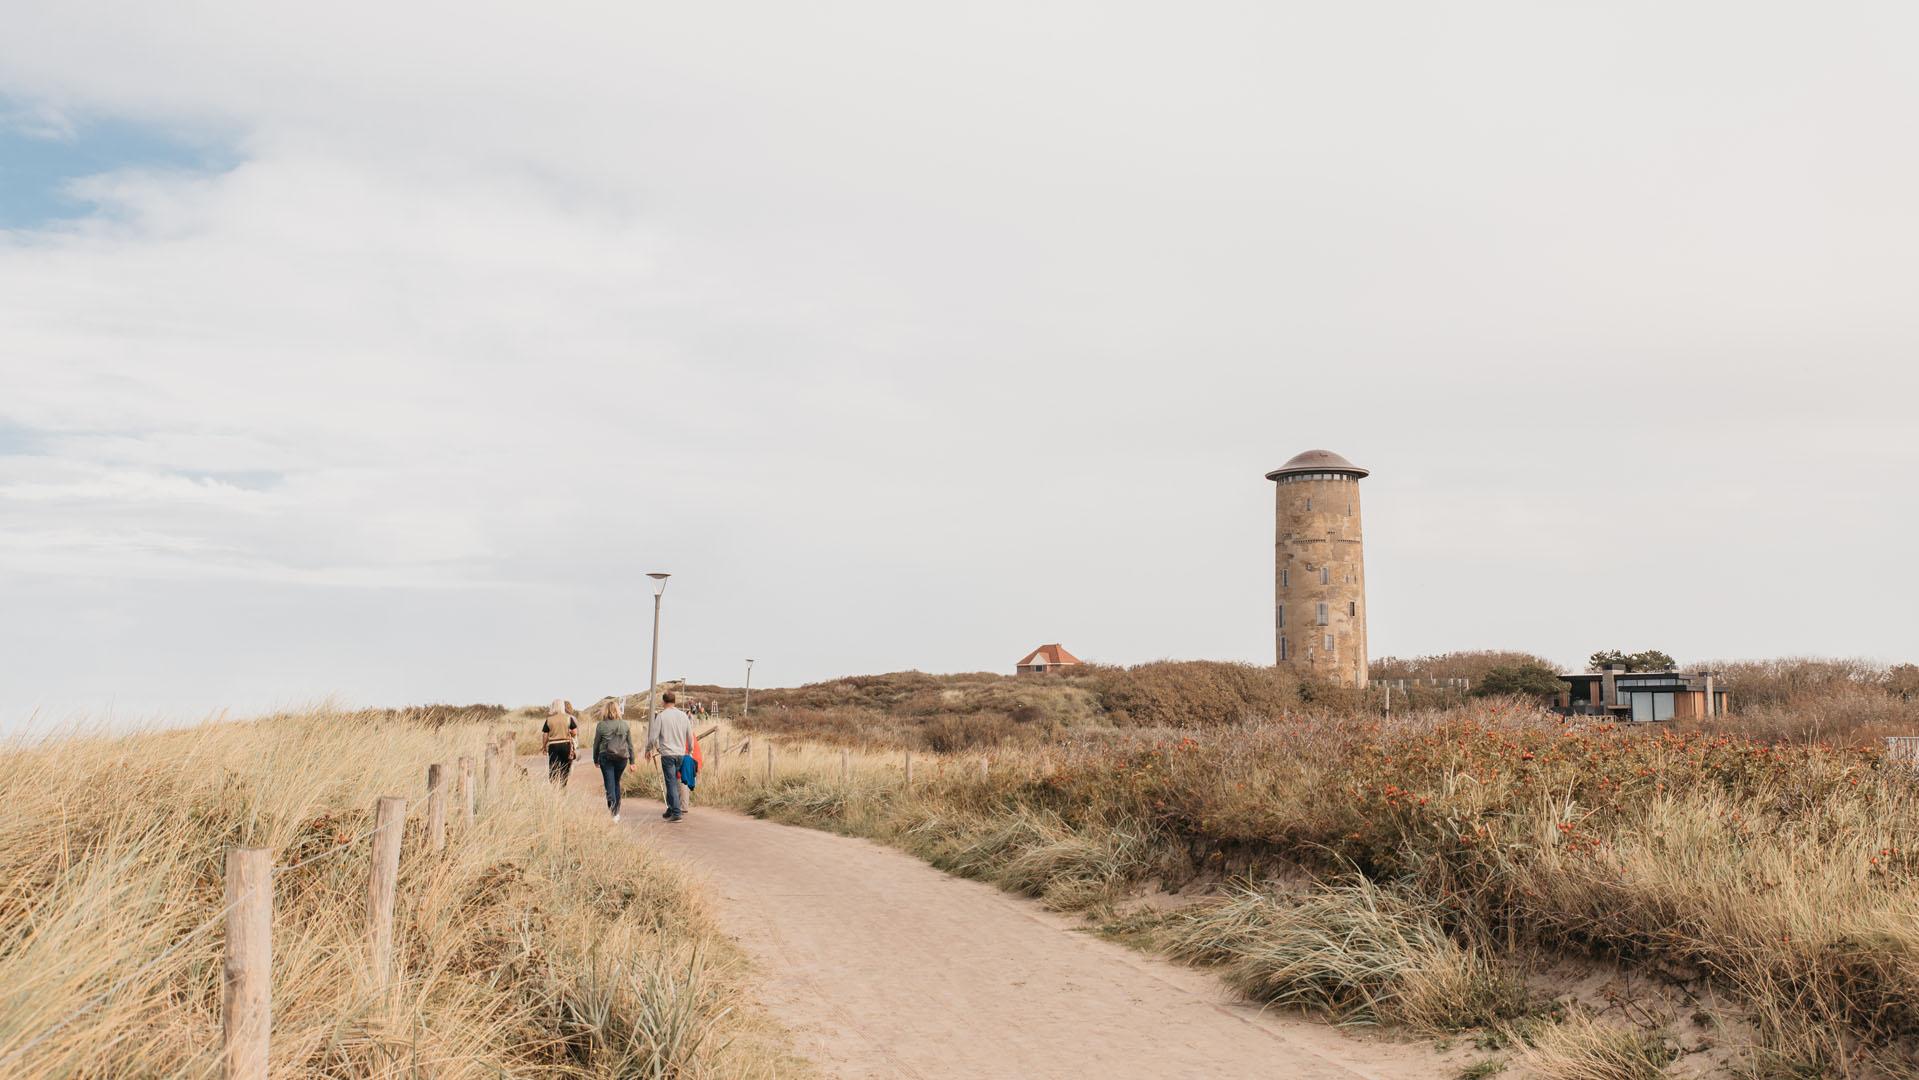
<point>747,705</point>
<point>653,684</point>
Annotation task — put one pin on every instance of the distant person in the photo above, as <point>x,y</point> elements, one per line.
<point>562,734</point>
<point>670,735</point>
<point>612,750</point>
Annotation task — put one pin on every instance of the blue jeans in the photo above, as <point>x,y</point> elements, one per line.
<point>610,770</point>
<point>670,771</point>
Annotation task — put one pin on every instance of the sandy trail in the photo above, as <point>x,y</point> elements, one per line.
<point>885,967</point>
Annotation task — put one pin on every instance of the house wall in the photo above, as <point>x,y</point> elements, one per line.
<point>1318,525</point>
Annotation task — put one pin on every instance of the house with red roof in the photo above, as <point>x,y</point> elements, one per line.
<point>1047,658</point>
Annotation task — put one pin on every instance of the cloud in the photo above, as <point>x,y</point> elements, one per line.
<point>911,341</point>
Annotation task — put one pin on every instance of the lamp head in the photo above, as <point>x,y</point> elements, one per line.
<point>659,581</point>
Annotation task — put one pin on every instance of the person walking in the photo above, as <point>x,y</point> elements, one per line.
<point>670,735</point>
<point>561,731</point>
<point>612,750</point>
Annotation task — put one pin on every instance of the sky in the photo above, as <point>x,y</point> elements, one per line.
<point>376,352</point>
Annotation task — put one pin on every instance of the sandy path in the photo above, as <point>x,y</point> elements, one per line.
<point>885,967</point>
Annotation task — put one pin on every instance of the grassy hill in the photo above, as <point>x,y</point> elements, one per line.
<point>974,709</point>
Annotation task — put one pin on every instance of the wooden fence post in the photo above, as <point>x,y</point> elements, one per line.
<point>846,765</point>
<point>769,763</point>
<point>466,789</point>
<point>909,766</point>
<point>247,976</point>
<point>389,825</point>
<point>492,773</point>
<point>436,807</point>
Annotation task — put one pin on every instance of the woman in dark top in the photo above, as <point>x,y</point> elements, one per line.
<point>560,729</point>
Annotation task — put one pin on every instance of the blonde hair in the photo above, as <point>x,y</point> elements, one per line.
<point>615,708</point>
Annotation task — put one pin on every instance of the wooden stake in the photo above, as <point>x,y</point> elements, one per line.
<point>492,773</point>
<point>769,763</point>
<point>389,824</point>
<point>909,766</point>
<point>436,807</point>
<point>982,768</point>
<point>846,766</point>
<point>247,975</point>
<point>466,789</point>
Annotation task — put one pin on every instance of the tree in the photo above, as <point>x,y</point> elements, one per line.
<point>1903,680</point>
<point>1650,660</point>
<point>1531,679</point>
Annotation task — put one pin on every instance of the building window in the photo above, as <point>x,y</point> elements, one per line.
<point>1282,648</point>
<point>1285,578</point>
<point>1352,607</point>
<point>1309,503</point>
<point>1325,575</point>
<point>1282,614</point>
<point>1329,644</point>
<point>1325,615</point>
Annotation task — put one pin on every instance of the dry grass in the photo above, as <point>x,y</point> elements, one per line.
<point>1783,875</point>
<point>534,945</point>
<point>1579,1048</point>
<point>981,710</point>
<point>1350,950</point>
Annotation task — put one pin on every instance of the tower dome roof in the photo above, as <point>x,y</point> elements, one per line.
<point>1313,461</point>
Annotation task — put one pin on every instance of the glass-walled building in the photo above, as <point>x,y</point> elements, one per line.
<point>1642,696</point>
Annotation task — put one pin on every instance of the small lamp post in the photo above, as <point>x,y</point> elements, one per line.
<point>747,705</point>
<point>653,681</point>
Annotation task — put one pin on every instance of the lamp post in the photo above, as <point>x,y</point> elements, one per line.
<point>747,705</point>
<point>653,680</point>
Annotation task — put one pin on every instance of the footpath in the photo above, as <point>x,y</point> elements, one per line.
<point>882,966</point>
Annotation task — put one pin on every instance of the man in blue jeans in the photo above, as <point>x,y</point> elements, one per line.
<point>670,735</point>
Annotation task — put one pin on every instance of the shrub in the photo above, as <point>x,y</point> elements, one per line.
<point>1470,665</point>
<point>1193,693</point>
<point>1524,679</point>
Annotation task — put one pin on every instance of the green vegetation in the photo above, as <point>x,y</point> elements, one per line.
<point>1649,660</point>
<point>1523,679</point>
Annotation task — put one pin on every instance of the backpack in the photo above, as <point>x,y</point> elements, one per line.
<point>618,742</point>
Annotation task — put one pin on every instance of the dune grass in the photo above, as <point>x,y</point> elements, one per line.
<point>535,945</point>
<point>1782,875</point>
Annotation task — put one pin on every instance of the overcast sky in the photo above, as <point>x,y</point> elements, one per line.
<point>378,349</point>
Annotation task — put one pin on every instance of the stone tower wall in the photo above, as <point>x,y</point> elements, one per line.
<point>1320,560</point>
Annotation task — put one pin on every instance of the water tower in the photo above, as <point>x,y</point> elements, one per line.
<point>1320,569</point>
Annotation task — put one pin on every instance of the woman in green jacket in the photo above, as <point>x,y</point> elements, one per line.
<point>612,750</point>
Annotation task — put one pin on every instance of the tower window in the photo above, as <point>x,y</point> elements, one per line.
<point>1282,648</point>
<point>1285,578</point>
<point>1282,614</point>
<point>1325,615</point>
<point>1309,502</point>
<point>1325,575</point>
<point>1352,607</point>
<point>1329,644</point>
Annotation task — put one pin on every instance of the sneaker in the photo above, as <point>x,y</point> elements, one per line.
<point>616,817</point>
<point>666,813</point>
<point>676,818</point>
